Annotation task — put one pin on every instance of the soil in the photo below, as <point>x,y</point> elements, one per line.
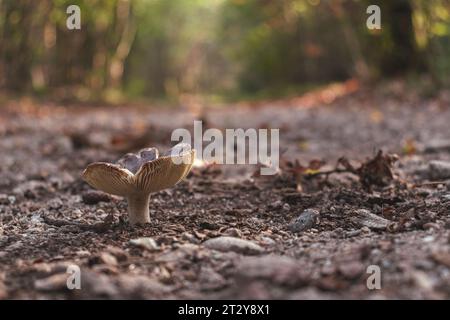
<point>51,219</point>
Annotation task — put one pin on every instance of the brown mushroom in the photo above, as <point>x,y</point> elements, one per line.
<point>136,176</point>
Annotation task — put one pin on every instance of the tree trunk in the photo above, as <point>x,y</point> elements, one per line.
<point>403,55</point>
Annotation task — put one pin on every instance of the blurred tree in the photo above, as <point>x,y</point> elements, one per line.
<point>402,55</point>
<point>16,51</point>
<point>164,48</point>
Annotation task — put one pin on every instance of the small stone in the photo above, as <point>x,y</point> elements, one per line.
<point>277,204</point>
<point>352,233</point>
<point>146,243</point>
<point>104,258</point>
<point>120,254</point>
<point>94,197</point>
<point>137,285</point>
<point>351,270</point>
<point>98,284</point>
<point>281,270</point>
<point>424,264</point>
<point>365,230</point>
<point>210,279</point>
<point>83,253</point>
<point>267,241</point>
<point>55,204</point>
<point>306,220</point>
<point>4,199</point>
<point>439,170</point>
<point>190,237</point>
<point>184,252</point>
<point>56,282</point>
<point>286,207</point>
<point>423,280</point>
<point>365,218</point>
<point>447,224</point>
<point>208,225</point>
<point>233,232</point>
<point>225,244</point>
<point>14,246</point>
<point>441,257</point>
<point>431,225</point>
<point>438,146</point>
<point>328,268</point>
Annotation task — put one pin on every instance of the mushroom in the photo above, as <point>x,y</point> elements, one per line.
<point>136,176</point>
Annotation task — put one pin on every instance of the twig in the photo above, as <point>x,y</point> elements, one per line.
<point>98,227</point>
<point>431,183</point>
<point>327,173</point>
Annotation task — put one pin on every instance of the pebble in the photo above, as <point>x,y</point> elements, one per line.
<point>439,170</point>
<point>5,199</point>
<point>278,269</point>
<point>120,254</point>
<point>431,225</point>
<point>183,252</point>
<point>104,258</point>
<point>365,230</point>
<point>15,246</point>
<point>233,232</point>
<point>146,243</point>
<point>352,233</point>
<point>190,237</point>
<point>83,253</point>
<point>441,257</point>
<point>55,282</point>
<point>268,241</point>
<point>277,204</point>
<point>210,279</point>
<point>365,218</point>
<point>423,280</point>
<point>138,285</point>
<point>225,244</point>
<point>306,220</point>
<point>437,146</point>
<point>351,270</point>
<point>55,204</point>
<point>94,197</point>
<point>98,284</point>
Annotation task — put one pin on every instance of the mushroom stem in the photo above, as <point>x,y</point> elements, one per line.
<point>138,208</point>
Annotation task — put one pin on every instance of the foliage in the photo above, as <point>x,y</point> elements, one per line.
<point>160,48</point>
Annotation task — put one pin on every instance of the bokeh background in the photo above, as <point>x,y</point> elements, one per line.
<point>220,49</point>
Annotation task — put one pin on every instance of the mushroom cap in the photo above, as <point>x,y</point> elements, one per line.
<point>164,172</point>
<point>109,178</point>
<point>149,154</point>
<point>131,162</point>
<point>151,176</point>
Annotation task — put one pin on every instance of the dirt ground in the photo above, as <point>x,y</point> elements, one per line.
<point>50,218</point>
